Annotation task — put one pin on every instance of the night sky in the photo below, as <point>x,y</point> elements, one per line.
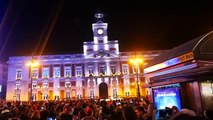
<point>61,26</point>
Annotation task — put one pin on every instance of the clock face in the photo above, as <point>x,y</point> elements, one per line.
<point>100,31</point>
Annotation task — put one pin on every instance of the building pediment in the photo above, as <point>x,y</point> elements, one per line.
<point>101,54</point>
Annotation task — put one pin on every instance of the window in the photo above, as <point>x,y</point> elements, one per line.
<point>35,73</point>
<point>89,50</point>
<point>17,97</point>
<point>91,72</point>
<point>100,41</point>
<point>0,88</point>
<point>34,96</point>
<point>67,94</point>
<point>90,69</point>
<point>135,70</point>
<point>125,68</point>
<point>114,92</point>
<point>78,71</point>
<point>92,94</point>
<point>18,86</point>
<point>113,70</point>
<point>45,73</point>
<point>56,73</point>
<point>112,49</point>
<point>18,74</point>
<point>67,85</point>
<point>45,85</point>
<point>102,70</point>
<point>34,86</point>
<point>127,94</point>
<point>45,96</point>
<point>67,71</point>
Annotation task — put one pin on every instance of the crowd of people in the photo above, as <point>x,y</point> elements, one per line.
<point>125,109</point>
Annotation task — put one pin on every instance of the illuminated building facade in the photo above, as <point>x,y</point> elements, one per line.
<point>100,72</point>
<point>3,80</point>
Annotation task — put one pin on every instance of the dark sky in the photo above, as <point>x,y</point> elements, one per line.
<point>61,26</point>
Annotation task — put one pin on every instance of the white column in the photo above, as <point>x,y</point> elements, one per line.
<point>96,69</point>
<point>107,68</point>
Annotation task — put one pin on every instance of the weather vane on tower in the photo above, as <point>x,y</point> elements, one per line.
<point>99,16</point>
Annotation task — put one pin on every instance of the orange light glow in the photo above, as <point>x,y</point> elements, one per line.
<point>136,61</point>
<point>33,63</point>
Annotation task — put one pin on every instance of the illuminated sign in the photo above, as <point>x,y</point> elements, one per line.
<point>171,62</point>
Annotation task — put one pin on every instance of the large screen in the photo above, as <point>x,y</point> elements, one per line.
<point>167,97</point>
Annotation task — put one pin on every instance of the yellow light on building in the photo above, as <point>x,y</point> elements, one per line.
<point>136,62</point>
<point>32,64</point>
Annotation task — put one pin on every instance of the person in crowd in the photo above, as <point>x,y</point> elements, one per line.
<point>129,113</point>
<point>140,112</point>
<point>149,113</point>
<point>35,115</point>
<point>89,114</point>
<point>65,114</point>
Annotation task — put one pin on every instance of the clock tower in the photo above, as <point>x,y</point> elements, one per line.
<point>100,30</point>
<point>100,46</point>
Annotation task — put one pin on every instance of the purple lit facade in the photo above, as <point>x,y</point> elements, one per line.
<point>3,80</point>
<point>102,71</point>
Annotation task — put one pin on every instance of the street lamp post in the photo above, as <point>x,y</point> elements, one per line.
<point>137,62</point>
<point>32,64</point>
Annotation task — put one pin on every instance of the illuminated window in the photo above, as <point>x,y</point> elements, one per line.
<point>34,86</point>
<point>136,70</point>
<point>45,96</point>
<point>114,92</point>
<point>113,70</point>
<point>92,94</point>
<point>45,73</point>
<point>127,94</point>
<point>18,74</point>
<point>102,69</point>
<point>67,71</point>
<point>18,86</point>
<point>78,71</point>
<point>34,96</point>
<point>35,73</point>
<point>17,97</point>
<point>67,85</point>
<point>67,94</point>
<point>125,68</point>
<point>90,69</point>
<point>56,72</point>
<point>45,85</point>
<point>0,88</point>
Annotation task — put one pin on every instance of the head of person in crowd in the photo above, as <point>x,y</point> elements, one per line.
<point>44,114</point>
<point>151,108</point>
<point>35,115</point>
<point>88,111</point>
<point>129,113</point>
<point>81,113</point>
<point>139,111</point>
